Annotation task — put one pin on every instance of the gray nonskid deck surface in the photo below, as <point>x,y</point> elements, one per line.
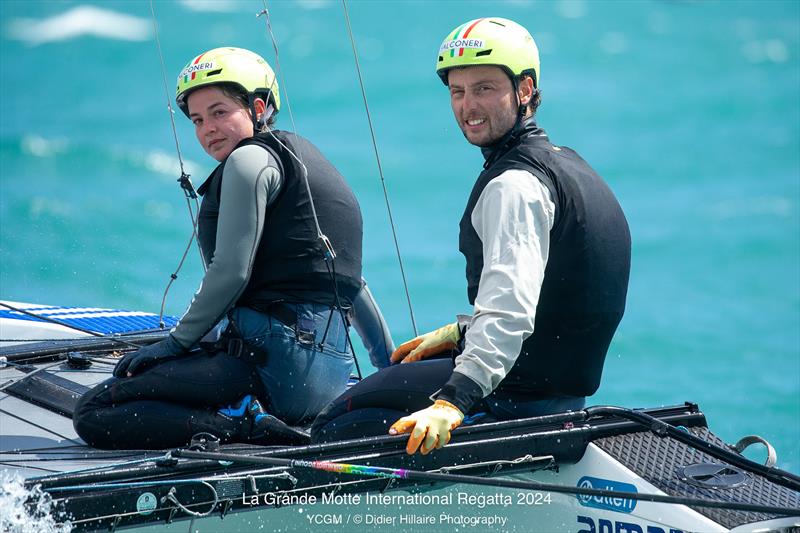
<point>658,460</point>
<point>36,441</point>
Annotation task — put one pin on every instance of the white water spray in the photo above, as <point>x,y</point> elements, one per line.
<point>27,511</point>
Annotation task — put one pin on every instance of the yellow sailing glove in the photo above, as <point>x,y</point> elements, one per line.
<point>433,424</point>
<point>443,339</point>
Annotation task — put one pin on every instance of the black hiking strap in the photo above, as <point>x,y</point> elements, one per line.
<point>47,390</point>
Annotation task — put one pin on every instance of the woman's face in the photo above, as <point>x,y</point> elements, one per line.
<point>220,122</point>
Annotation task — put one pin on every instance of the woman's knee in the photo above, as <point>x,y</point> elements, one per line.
<point>95,398</point>
<point>88,419</point>
<point>90,426</point>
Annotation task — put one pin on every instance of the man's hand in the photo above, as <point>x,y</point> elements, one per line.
<point>148,356</point>
<point>433,343</point>
<point>430,427</point>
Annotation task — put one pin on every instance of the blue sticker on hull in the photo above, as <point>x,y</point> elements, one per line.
<point>610,503</point>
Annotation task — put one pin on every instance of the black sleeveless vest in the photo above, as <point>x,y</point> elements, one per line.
<point>290,261</point>
<point>586,278</point>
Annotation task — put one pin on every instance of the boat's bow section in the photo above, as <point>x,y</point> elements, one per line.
<point>49,356</point>
<point>677,469</point>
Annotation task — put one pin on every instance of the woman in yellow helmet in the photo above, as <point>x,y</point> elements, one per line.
<point>271,276</point>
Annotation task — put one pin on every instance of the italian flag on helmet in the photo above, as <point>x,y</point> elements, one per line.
<point>490,41</point>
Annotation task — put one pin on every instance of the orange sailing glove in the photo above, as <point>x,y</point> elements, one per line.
<point>433,343</point>
<point>433,424</point>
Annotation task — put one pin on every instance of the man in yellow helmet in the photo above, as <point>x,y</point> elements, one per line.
<point>280,232</point>
<point>547,248</point>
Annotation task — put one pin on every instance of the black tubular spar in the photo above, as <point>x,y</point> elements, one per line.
<point>662,429</point>
<point>428,477</point>
<point>58,348</point>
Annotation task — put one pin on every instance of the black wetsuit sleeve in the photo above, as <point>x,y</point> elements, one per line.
<point>461,391</point>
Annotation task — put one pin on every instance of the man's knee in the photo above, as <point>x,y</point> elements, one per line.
<point>360,423</point>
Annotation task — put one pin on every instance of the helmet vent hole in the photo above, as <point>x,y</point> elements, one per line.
<point>441,59</point>
<point>498,23</point>
<point>214,73</point>
<point>484,53</point>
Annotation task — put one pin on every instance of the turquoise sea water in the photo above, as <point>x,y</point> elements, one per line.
<point>691,110</point>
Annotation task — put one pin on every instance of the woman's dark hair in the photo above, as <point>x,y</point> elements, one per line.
<point>235,92</point>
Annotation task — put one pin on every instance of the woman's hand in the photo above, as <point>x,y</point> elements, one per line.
<point>147,356</point>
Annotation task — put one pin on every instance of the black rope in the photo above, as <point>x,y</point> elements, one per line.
<point>663,429</point>
<point>332,272</point>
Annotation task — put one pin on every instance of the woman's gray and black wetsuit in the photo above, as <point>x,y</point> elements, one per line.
<point>260,245</point>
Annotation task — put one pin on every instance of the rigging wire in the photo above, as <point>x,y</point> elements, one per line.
<point>12,464</point>
<point>64,340</point>
<point>190,192</point>
<point>298,157</point>
<point>380,167</point>
<point>38,370</point>
<point>330,254</point>
<point>185,179</point>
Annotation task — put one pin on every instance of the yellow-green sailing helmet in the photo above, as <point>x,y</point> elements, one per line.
<point>490,41</point>
<point>241,67</point>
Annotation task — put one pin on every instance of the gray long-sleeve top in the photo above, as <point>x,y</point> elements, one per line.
<point>250,182</point>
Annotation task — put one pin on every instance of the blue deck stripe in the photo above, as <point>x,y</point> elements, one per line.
<point>99,324</point>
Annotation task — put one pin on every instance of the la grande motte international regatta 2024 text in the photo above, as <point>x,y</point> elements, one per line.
<point>480,501</point>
